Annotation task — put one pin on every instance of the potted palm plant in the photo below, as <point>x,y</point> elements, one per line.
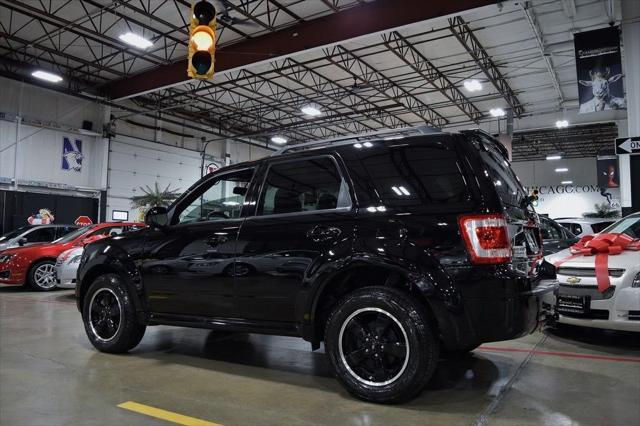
<point>153,197</point>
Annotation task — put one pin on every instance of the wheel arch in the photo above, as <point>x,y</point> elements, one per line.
<point>362,272</point>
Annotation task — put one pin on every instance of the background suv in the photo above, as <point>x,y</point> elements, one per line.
<point>388,251</point>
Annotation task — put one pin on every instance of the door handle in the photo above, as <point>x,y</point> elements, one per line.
<point>323,233</point>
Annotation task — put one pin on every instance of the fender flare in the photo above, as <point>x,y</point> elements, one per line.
<point>103,258</point>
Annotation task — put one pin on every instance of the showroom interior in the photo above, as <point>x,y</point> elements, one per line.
<point>113,118</point>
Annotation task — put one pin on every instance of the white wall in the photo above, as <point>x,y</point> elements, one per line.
<point>565,200</point>
<point>134,163</point>
<point>581,171</point>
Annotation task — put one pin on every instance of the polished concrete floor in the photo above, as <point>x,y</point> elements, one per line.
<point>51,375</point>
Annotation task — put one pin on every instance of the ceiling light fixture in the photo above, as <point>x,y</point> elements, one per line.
<point>44,75</point>
<point>497,112</point>
<point>554,157</point>
<point>561,124</point>
<point>566,182</point>
<point>312,110</point>
<point>279,139</point>
<point>562,170</point>
<point>135,40</point>
<point>473,85</point>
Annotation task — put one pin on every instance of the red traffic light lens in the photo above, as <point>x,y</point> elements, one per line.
<point>201,62</point>
<point>204,12</point>
<point>202,39</point>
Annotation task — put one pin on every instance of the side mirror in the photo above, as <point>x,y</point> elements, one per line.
<point>22,241</point>
<point>157,217</point>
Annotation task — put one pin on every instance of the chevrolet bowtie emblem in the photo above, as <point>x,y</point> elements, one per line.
<point>573,280</point>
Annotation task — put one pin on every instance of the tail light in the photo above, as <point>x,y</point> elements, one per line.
<point>486,237</point>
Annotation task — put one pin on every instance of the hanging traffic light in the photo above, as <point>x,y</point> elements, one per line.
<point>202,41</point>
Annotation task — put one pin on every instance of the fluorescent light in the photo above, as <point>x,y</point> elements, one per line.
<point>43,75</point>
<point>566,182</point>
<point>357,145</point>
<point>472,85</point>
<point>561,124</point>
<point>404,190</point>
<point>231,203</point>
<point>135,40</point>
<point>311,110</point>
<point>279,139</point>
<point>554,157</point>
<point>497,112</point>
<point>396,190</point>
<point>367,144</point>
<point>561,170</point>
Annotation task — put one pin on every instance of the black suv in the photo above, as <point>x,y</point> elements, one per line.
<point>390,251</point>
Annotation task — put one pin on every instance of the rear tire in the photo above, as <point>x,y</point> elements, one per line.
<point>381,344</point>
<point>42,275</point>
<point>109,316</point>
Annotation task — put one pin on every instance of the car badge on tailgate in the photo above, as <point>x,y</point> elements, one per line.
<point>573,280</point>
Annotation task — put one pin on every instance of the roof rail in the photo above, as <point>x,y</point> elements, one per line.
<point>402,131</point>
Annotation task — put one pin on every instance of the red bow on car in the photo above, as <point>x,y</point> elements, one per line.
<point>601,246</point>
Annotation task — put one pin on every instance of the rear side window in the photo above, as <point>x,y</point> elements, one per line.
<point>303,185</point>
<point>598,227</point>
<point>415,176</point>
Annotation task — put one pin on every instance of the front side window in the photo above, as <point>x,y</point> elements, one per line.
<point>220,199</point>
<point>41,235</point>
<point>302,186</point>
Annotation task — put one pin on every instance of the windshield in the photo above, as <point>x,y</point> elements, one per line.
<point>629,225</point>
<point>15,233</point>
<point>73,235</point>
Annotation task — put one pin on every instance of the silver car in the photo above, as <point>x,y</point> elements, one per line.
<point>67,267</point>
<point>34,234</point>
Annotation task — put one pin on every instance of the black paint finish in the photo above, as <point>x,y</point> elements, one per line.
<point>275,273</point>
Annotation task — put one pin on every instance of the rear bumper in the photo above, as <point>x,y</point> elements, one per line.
<point>494,319</point>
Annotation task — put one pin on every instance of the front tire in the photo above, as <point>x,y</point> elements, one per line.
<point>381,344</point>
<point>42,276</point>
<point>109,316</point>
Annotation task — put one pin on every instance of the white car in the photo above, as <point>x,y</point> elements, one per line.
<point>67,267</point>
<point>578,300</point>
<point>581,226</point>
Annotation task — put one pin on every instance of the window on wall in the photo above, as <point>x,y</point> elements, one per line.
<point>302,186</point>
<point>220,199</point>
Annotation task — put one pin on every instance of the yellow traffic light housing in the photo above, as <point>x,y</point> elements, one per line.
<point>202,41</point>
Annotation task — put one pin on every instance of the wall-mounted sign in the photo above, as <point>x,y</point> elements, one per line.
<point>72,154</point>
<point>83,221</point>
<point>599,69</point>
<point>628,145</point>
<point>43,217</point>
<point>573,200</point>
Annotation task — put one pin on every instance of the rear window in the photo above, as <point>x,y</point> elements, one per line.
<point>498,170</point>
<point>415,175</point>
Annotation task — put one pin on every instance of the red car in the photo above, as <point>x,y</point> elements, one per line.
<point>35,264</point>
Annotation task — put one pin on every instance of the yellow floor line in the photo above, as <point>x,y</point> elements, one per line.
<point>165,415</point>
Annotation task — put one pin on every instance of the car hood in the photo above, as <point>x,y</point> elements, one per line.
<point>628,259</point>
